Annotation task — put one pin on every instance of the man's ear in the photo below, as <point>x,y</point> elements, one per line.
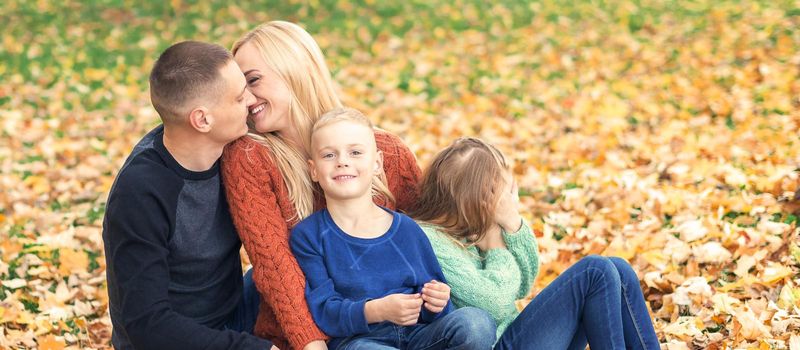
<point>312,170</point>
<point>200,119</point>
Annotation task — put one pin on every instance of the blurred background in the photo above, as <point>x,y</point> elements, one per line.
<point>664,132</point>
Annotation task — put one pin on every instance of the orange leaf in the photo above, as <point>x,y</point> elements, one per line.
<point>50,342</point>
<point>71,261</point>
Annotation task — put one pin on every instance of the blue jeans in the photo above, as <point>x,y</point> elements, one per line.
<point>596,300</point>
<point>243,318</point>
<point>465,328</point>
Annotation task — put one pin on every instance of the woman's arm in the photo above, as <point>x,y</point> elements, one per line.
<point>254,189</point>
<point>402,171</point>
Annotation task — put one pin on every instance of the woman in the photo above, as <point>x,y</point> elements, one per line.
<point>468,209</point>
<point>266,174</point>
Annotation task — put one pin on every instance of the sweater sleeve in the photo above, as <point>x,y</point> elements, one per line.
<point>490,285</point>
<point>336,315</point>
<point>137,252</point>
<point>402,171</point>
<point>522,245</point>
<point>251,182</point>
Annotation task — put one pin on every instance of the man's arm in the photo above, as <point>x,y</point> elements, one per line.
<point>137,234</point>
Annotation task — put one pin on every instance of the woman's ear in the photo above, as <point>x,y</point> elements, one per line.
<point>200,119</point>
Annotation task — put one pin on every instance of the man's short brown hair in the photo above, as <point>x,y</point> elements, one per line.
<point>184,72</point>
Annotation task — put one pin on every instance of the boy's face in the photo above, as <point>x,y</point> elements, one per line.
<point>344,160</point>
<point>231,108</point>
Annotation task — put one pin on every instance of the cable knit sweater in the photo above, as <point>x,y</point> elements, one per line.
<point>261,210</point>
<point>491,280</point>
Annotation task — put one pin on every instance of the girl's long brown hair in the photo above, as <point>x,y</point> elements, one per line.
<point>461,188</point>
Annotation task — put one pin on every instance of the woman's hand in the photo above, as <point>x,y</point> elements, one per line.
<point>315,345</point>
<point>507,213</point>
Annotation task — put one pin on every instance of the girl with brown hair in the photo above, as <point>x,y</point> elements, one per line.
<point>468,207</point>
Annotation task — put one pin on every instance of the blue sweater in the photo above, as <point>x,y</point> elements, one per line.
<point>344,272</point>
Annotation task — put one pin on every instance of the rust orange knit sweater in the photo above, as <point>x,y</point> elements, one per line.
<point>261,210</point>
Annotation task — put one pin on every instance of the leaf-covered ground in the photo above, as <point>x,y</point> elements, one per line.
<point>665,132</point>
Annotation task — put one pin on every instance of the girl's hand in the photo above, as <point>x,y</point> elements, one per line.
<point>507,212</point>
<point>435,294</point>
<point>400,309</point>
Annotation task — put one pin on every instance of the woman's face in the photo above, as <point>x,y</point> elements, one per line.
<point>271,110</point>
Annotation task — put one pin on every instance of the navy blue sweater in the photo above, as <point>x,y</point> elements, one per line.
<point>344,272</point>
<point>172,255</point>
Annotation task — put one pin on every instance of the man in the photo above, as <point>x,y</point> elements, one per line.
<point>174,274</point>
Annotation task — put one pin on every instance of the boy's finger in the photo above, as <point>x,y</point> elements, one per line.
<point>433,308</point>
<point>438,294</point>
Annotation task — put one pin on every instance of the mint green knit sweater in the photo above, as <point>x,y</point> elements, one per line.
<point>491,280</point>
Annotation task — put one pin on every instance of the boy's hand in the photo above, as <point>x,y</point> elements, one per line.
<point>400,309</point>
<point>435,294</point>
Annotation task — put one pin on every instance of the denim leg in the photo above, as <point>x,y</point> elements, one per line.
<point>244,317</point>
<point>636,322</point>
<point>585,299</point>
<point>467,328</point>
<point>382,337</point>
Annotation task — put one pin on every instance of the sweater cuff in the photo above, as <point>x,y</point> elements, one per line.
<point>304,336</point>
<point>522,235</point>
<point>358,317</point>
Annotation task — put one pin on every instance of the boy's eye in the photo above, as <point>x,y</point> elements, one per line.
<point>327,155</point>
<point>356,153</point>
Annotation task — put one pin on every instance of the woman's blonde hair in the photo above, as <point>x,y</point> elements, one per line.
<point>461,189</point>
<point>380,187</point>
<point>295,57</point>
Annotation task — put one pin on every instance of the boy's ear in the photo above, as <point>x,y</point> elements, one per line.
<point>312,171</point>
<point>379,162</point>
<point>201,119</point>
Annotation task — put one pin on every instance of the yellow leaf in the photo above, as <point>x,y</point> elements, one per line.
<point>794,342</point>
<point>24,317</point>
<point>775,272</point>
<point>752,327</point>
<point>789,296</point>
<point>38,184</point>
<point>51,342</point>
<point>71,261</point>
<point>95,74</point>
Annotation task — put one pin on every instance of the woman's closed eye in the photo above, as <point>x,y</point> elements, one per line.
<point>253,80</point>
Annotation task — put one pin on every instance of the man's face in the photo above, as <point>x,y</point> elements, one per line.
<point>231,109</point>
